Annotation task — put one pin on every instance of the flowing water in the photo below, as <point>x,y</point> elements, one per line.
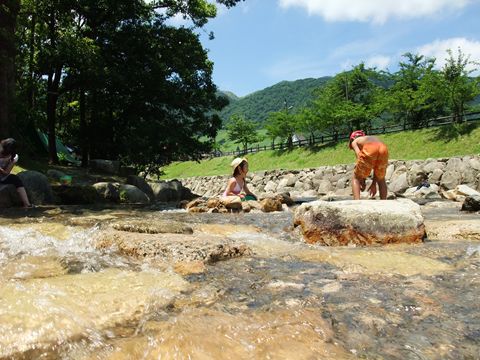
<point>61,297</point>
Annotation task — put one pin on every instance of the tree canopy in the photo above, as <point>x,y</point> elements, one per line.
<point>116,79</point>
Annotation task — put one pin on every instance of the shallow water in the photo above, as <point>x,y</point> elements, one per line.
<point>61,297</point>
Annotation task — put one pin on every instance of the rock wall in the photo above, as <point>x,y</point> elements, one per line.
<point>446,173</point>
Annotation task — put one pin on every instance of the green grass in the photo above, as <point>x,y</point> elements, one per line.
<point>446,141</point>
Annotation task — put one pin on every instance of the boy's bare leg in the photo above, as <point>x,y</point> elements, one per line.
<point>23,196</point>
<point>382,188</point>
<point>356,184</point>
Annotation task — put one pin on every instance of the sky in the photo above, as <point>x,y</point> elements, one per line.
<point>259,43</point>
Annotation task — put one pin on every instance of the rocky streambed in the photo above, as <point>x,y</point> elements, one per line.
<point>128,283</point>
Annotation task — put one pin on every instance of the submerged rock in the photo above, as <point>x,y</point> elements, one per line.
<point>172,247</point>
<point>150,227</point>
<point>363,222</point>
<point>36,315</point>
<point>453,230</point>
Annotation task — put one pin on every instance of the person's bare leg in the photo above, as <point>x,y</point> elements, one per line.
<point>23,196</point>
<point>382,188</point>
<point>356,184</point>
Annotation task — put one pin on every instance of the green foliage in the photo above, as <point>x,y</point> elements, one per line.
<point>242,131</point>
<point>123,196</point>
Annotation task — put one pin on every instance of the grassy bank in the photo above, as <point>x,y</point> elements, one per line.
<point>438,142</point>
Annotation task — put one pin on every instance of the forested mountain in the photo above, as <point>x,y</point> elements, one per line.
<point>258,105</point>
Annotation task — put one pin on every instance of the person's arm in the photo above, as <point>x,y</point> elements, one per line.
<point>355,147</point>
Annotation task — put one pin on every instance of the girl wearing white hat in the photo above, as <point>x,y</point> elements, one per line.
<point>237,185</point>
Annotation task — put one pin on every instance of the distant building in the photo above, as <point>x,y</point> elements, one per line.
<point>296,138</point>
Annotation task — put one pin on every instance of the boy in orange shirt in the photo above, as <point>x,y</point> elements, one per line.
<point>372,154</point>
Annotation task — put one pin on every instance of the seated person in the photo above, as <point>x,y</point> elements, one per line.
<point>8,158</point>
<point>237,185</point>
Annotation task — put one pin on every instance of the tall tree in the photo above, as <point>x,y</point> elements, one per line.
<point>8,16</point>
<point>410,97</point>
<point>459,88</point>
<point>242,131</point>
<point>283,125</point>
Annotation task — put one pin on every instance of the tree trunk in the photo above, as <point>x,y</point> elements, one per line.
<point>31,73</point>
<point>83,129</point>
<point>52,97</point>
<point>8,18</point>
<point>53,82</point>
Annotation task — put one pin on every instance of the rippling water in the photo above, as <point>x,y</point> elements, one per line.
<point>61,297</point>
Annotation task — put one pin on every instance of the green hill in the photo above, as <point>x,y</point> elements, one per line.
<point>258,105</point>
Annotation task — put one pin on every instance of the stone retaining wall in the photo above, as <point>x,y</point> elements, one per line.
<point>447,173</point>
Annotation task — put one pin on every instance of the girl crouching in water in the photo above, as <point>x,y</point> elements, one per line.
<point>237,185</point>
<point>8,158</point>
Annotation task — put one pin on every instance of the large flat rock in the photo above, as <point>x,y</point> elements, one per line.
<point>362,222</point>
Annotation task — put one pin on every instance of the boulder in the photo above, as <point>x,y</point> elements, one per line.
<point>431,192</point>
<point>76,194</point>
<point>132,194</point>
<point>471,203</point>
<point>450,179</point>
<point>140,183</point>
<point>324,187</point>
<point>105,166</point>
<point>9,196</point>
<point>287,181</point>
<point>416,175</point>
<point>399,184</point>
<point>167,191</point>
<point>107,191</point>
<point>361,222</point>
<point>55,174</point>
<point>37,186</point>
<point>389,172</point>
<point>271,204</point>
<point>270,187</point>
<point>435,176</point>
<point>466,191</point>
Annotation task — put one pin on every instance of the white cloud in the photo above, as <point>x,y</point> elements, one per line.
<point>378,61</point>
<point>438,49</point>
<point>377,11</point>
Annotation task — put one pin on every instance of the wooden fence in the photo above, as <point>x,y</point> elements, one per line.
<point>334,138</point>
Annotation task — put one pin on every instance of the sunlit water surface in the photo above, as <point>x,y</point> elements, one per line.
<point>60,297</point>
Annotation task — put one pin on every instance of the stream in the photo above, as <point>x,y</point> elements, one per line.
<point>63,297</point>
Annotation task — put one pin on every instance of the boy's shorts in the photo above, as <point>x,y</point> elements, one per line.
<point>374,156</point>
